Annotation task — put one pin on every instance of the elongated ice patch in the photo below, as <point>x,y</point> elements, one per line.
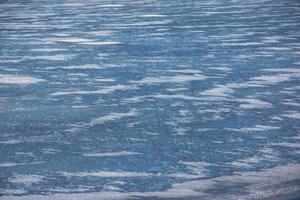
<point>83,67</point>
<point>254,104</point>
<point>105,174</point>
<point>8,164</point>
<point>180,78</point>
<point>256,128</point>
<point>110,154</point>
<point>152,15</point>
<point>292,115</point>
<point>221,90</point>
<point>111,117</point>
<point>270,79</point>
<point>104,90</point>
<point>25,179</point>
<point>109,5</point>
<point>84,41</point>
<point>56,57</point>
<point>19,80</point>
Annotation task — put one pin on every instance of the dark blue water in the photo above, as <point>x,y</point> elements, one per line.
<point>149,99</point>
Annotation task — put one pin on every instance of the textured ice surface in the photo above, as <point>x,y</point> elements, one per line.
<point>149,99</point>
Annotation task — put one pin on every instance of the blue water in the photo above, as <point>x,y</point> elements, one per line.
<point>149,99</point>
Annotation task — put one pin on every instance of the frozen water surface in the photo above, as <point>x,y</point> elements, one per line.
<point>149,99</point>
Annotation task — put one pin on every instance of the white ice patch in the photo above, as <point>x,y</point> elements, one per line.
<point>137,99</point>
<point>47,50</point>
<point>104,90</point>
<point>205,129</point>
<point>109,5</point>
<point>184,71</point>
<point>292,115</point>
<point>100,33</point>
<point>277,48</point>
<point>281,75</point>
<point>57,57</point>
<point>180,78</point>
<point>72,4</point>
<point>292,104</point>
<point>142,23</point>
<point>225,69</point>
<point>50,151</point>
<point>254,104</point>
<point>256,128</point>
<point>266,154</point>
<point>104,43</point>
<point>293,71</point>
<point>87,66</point>
<point>174,96</point>
<point>12,192</point>
<point>219,90</point>
<point>11,141</point>
<point>105,174</point>
<point>25,179</point>
<point>19,80</point>
<point>152,15</point>
<point>247,162</point>
<point>111,154</point>
<point>198,168</point>
<point>84,41</point>
<point>111,188</point>
<point>241,44</point>
<point>25,153</point>
<point>270,79</point>
<point>104,80</point>
<point>69,190</point>
<point>112,117</point>
<point>121,174</point>
<point>184,176</point>
<point>287,144</point>
<point>180,131</point>
<point>71,40</point>
<point>8,164</point>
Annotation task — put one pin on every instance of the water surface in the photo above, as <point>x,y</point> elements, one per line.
<point>149,99</point>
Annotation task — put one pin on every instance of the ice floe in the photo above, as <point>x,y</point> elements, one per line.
<point>19,80</point>
<point>111,154</point>
<point>292,115</point>
<point>254,104</point>
<point>25,179</point>
<point>84,41</point>
<point>105,174</point>
<point>256,128</point>
<point>104,90</point>
<point>180,78</point>
<point>221,90</point>
<point>112,117</point>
